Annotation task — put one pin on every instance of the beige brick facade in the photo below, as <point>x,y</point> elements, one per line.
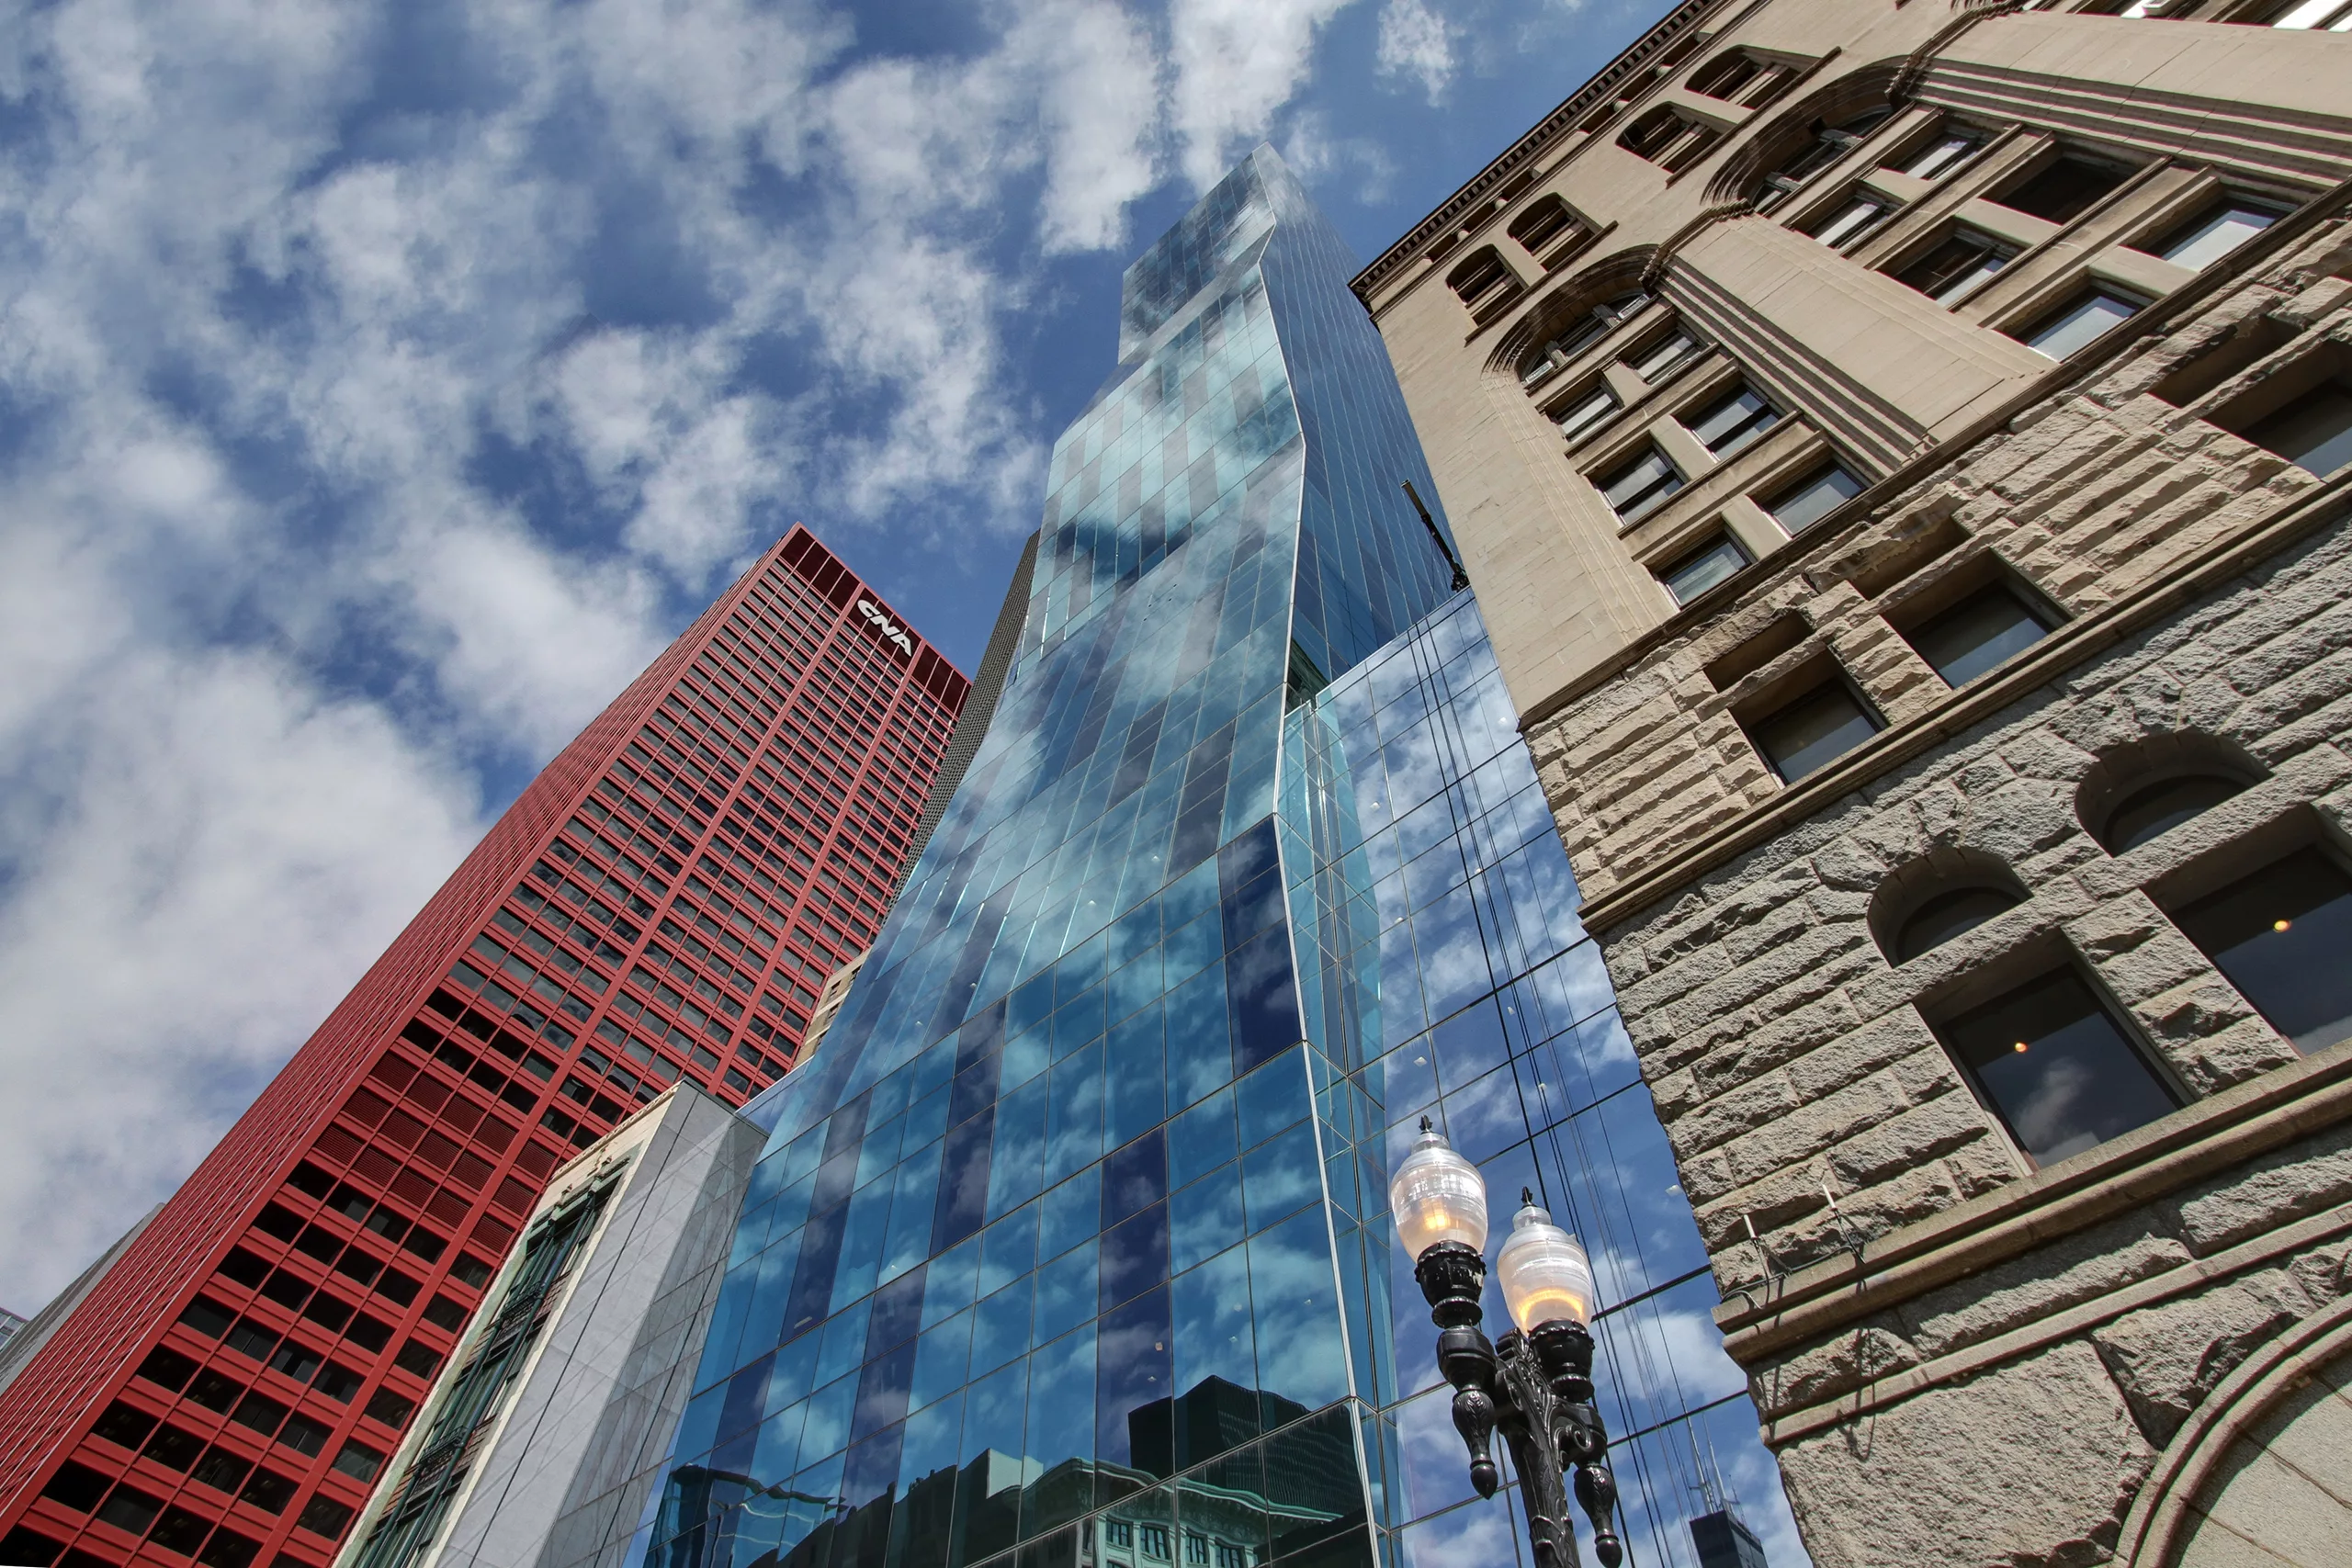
<point>2137,1351</point>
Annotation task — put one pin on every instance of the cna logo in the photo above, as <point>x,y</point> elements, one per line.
<point>892,631</point>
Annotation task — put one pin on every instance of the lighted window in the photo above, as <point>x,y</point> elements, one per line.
<point>1949,915</point>
<point>1812,498</point>
<point>1956,268</point>
<point>1732,421</point>
<point>1636,488</point>
<point>1815,729</point>
<point>2054,1064</point>
<point>1588,413</point>
<point>2081,321</point>
<point>2314,432</point>
<point>1850,223</point>
<point>1692,574</point>
<point>2157,808</point>
<point>1982,631</point>
<point>2214,233</point>
<point>2283,936</point>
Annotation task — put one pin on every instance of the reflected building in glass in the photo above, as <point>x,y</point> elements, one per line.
<point>1069,1246</point>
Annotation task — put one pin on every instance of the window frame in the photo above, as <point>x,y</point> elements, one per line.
<point>2006,979</point>
<point>2050,320</point>
<point>1956,289</point>
<point>1804,478</point>
<point>1648,500</point>
<point>1825,675</point>
<point>1691,553</point>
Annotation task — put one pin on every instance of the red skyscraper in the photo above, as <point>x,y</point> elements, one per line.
<point>664,900</point>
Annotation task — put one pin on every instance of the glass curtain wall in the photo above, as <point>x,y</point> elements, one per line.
<point>1444,975</point>
<point>1066,1247</point>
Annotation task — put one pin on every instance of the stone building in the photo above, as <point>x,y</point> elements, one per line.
<point>1901,452</point>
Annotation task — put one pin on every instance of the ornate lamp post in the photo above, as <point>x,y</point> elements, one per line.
<point>1537,1385</point>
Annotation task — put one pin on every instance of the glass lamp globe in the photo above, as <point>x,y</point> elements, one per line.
<point>1544,1271</point>
<point>1436,1195</point>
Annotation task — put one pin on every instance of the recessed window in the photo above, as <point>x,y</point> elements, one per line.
<point>1639,486</point>
<point>2316,16</point>
<point>1693,573</point>
<point>1482,280</point>
<point>2314,432</point>
<point>1812,498</point>
<point>1743,79</point>
<point>1667,139</point>
<point>1948,915</point>
<point>2214,233</point>
<point>2056,1066</point>
<point>1953,270</point>
<point>1828,144</point>
<point>2064,189</point>
<point>1942,155</point>
<point>1732,421</point>
<point>1850,223</point>
<point>1545,222</point>
<point>1581,333</point>
<point>1983,630</point>
<point>1588,413</point>
<point>2283,936</point>
<point>1816,729</point>
<point>2080,321</point>
<point>2157,808</point>
<point>1653,362</point>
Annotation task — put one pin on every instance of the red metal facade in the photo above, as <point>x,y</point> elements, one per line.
<point>665,900</point>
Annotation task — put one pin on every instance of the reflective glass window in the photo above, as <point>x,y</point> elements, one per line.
<point>2057,1067</point>
<point>2281,935</point>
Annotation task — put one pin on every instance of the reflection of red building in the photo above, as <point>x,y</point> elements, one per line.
<point>665,900</point>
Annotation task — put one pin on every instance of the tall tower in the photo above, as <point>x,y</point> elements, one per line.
<point>665,901</point>
<point>1070,1246</point>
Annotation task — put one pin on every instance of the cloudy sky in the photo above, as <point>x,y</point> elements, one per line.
<point>382,384</point>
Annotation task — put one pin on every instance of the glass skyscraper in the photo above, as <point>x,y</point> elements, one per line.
<point>1069,1246</point>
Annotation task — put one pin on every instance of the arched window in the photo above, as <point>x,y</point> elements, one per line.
<point>1739,78</point>
<point>1581,333</point>
<point>1483,280</point>
<point>1824,145</point>
<point>1550,232</point>
<point>1668,140</point>
<point>1941,896</point>
<point>1948,915</point>
<point>2140,792</point>
<point>2159,808</point>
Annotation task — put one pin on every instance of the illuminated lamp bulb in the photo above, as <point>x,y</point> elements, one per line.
<point>1544,1270</point>
<point>1436,1195</point>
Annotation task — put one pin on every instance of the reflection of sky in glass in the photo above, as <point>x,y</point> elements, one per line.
<point>1065,1229</point>
<point>1433,888</point>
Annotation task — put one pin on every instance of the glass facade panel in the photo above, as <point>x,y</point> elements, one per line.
<point>1070,1245</point>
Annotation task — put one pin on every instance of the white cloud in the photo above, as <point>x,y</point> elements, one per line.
<point>1236,62</point>
<point>383,387</point>
<point>1101,107</point>
<point>1415,41</point>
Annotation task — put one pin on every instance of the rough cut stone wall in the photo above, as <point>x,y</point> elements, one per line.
<point>1962,1360</point>
<point>2088,497</point>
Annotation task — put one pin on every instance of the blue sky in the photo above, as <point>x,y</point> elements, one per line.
<point>381,385</point>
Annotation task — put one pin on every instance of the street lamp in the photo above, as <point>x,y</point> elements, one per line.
<point>1537,1385</point>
